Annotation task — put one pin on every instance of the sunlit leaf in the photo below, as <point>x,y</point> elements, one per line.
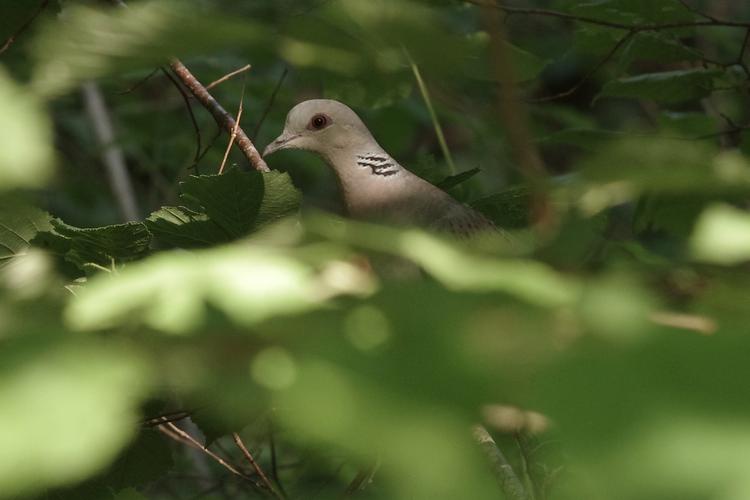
<point>26,156</point>
<point>70,409</point>
<point>722,235</point>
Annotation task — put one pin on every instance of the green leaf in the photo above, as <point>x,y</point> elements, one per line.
<point>455,180</point>
<point>172,291</point>
<point>18,226</point>
<point>26,155</point>
<point>88,43</point>
<point>71,408</point>
<point>668,87</point>
<point>227,207</point>
<point>722,235</point>
<point>100,246</point>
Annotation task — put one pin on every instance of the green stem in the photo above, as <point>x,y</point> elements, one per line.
<point>433,116</point>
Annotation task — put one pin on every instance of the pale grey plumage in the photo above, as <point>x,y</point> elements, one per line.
<point>373,184</point>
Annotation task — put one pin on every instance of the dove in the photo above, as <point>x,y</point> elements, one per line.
<point>373,185</point>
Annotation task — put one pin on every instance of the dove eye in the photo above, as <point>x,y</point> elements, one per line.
<point>319,122</point>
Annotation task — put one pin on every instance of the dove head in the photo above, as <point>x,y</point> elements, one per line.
<point>322,126</point>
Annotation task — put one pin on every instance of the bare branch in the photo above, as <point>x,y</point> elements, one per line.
<point>112,155</point>
<point>175,432</point>
<point>269,105</point>
<point>233,136</point>
<point>264,479</point>
<point>12,38</point>
<point>193,120</point>
<point>611,24</point>
<point>506,477</point>
<point>222,117</point>
<point>591,72</point>
<point>228,76</point>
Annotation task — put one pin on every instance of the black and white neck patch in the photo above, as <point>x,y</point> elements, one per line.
<point>380,164</point>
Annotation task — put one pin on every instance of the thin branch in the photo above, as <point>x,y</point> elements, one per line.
<point>274,460</point>
<point>233,135</point>
<point>506,477</point>
<point>228,76</point>
<point>175,432</point>
<point>591,72</point>
<point>712,22</point>
<point>222,117</point>
<point>269,104</point>
<point>112,155</point>
<point>139,82</point>
<point>12,38</point>
<point>193,120</point>
<point>264,479</point>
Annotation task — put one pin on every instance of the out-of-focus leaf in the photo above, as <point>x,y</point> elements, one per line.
<point>227,207</point>
<point>18,226</point>
<point>722,235</point>
<point>129,494</point>
<point>70,409</point>
<point>634,418</point>
<point>624,169</point>
<point>659,47</point>
<point>172,290</point>
<point>667,87</point>
<point>26,156</point>
<point>454,265</point>
<point>101,246</point>
<point>87,43</point>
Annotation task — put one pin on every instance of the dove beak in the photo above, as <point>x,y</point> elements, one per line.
<point>282,142</point>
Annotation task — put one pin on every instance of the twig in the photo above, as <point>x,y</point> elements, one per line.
<point>264,479</point>
<point>12,38</point>
<point>506,477</point>
<point>175,432</point>
<point>433,116</point>
<point>698,324</point>
<point>269,105</point>
<point>233,135</point>
<point>228,76</point>
<point>173,416</point>
<point>527,479</point>
<point>274,461</point>
<point>112,155</point>
<point>712,22</point>
<point>591,72</point>
<point>189,108</point>
<point>139,82</point>
<point>222,117</point>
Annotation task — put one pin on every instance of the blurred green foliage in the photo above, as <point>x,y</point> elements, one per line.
<point>353,357</point>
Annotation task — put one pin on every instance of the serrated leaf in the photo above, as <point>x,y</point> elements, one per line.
<point>227,207</point>
<point>184,228</point>
<point>18,226</point>
<point>667,87</point>
<point>102,246</point>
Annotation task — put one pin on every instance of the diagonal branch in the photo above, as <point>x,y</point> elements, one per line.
<point>222,116</point>
<point>12,38</point>
<point>264,479</point>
